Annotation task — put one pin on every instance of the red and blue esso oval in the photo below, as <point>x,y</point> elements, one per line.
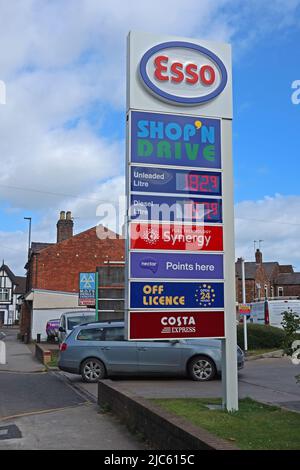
<point>177,72</point>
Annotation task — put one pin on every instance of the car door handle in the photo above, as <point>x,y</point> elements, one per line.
<point>142,349</point>
<point>105,348</point>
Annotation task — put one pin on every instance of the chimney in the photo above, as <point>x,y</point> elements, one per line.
<point>64,226</point>
<point>258,256</point>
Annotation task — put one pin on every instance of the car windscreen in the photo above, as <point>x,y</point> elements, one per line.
<point>74,321</point>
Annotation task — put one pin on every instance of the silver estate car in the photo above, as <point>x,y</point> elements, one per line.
<point>98,350</point>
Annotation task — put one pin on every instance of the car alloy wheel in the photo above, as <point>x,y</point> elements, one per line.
<point>92,370</point>
<point>202,369</point>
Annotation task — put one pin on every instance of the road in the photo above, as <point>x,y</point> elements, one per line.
<point>40,410</point>
<point>268,380</point>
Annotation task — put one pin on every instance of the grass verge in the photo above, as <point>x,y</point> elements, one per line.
<point>258,352</point>
<point>254,427</point>
<point>54,360</point>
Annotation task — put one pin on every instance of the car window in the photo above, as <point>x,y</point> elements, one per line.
<point>74,321</point>
<point>90,334</point>
<point>114,333</point>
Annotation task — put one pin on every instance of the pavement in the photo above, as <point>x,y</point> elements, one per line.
<point>42,410</point>
<point>19,357</point>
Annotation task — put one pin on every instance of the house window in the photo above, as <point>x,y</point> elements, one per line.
<point>4,295</point>
<point>280,291</point>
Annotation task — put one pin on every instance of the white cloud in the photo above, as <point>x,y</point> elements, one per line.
<point>63,61</point>
<point>276,221</point>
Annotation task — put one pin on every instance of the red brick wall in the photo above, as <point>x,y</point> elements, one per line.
<point>289,290</point>
<point>57,267</point>
<point>251,291</point>
<point>25,318</point>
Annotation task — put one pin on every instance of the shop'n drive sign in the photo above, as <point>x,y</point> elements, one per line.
<point>178,189</point>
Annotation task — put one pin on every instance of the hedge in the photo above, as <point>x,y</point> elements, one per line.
<point>260,336</point>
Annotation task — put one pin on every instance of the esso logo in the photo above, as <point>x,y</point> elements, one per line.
<point>183,73</point>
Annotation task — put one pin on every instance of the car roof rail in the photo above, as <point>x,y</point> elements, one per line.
<point>102,321</point>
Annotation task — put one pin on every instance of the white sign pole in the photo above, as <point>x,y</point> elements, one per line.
<point>229,345</point>
<point>244,301</point>
<point>153,86</point>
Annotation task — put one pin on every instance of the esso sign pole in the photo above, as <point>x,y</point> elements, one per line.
<point>180,269</point>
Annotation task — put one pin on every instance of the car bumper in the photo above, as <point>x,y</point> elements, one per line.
<point>68,368</point>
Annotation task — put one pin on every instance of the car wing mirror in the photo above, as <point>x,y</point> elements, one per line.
<point>61,329</point>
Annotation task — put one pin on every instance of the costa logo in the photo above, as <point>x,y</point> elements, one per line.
<point>183,73</point>
<point>178,321</point>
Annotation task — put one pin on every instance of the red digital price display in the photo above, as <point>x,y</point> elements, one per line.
<point>197,182</point>
<point>201,210</point>
<point>175,181</point>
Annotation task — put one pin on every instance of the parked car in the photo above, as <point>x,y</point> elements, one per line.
<point>52,329</point>
<point>97,350</point>
<point>69,320</point>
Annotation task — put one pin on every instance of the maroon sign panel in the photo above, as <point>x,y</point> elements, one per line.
<point>168,325</point>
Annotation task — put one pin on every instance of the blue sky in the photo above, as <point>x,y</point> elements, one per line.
<point>62,131</point>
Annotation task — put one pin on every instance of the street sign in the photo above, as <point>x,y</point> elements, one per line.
<point>179,295</point>
<point>180,278</point>
<point>87,288</point>
<point>244,309</point>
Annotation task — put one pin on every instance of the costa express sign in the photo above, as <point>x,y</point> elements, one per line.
<point>161,325</point>
<point>183,72</point>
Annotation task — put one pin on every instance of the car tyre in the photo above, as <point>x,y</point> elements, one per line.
<point>202,369</point>
<point>92,370</point>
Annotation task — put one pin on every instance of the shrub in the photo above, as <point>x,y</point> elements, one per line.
<point>290,325</point>
<point>260,336</point>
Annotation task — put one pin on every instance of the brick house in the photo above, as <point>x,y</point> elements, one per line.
<point>266,279</point>
<point>53,268</point>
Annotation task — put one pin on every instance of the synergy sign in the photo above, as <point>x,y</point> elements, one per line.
<point>155,236</point>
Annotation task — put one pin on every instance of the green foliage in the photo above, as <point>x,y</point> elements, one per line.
<point>290,324</point>
<point>260,336</point>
